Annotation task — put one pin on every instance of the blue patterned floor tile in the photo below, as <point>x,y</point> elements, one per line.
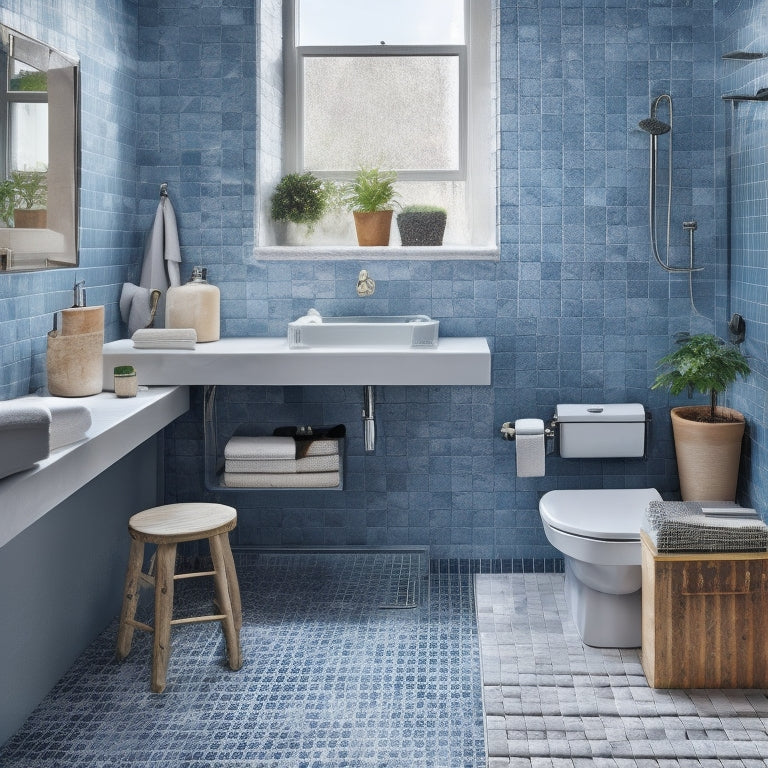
<point>330,678</point>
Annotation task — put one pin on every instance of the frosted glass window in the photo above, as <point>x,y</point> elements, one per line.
<point>398,112</point>
<point>371,22</point>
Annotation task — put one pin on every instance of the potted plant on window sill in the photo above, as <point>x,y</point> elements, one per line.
<point>371,198</point>
<point>421,224</point>
<point>707,437</point>
<point>301,199</point>
<point>31,195</point>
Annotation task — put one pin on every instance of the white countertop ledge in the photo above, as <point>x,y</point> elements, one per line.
<point>269,361</point>
<point>118,425</point>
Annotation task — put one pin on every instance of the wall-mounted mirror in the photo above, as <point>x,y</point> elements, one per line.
<point>39,155</point>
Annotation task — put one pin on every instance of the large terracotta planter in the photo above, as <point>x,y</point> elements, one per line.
<point>707,454</point>
<point>30,218</point>
<point>373,227</point>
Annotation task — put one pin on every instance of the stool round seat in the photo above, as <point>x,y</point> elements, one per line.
<point>182,522</point>
<point>165,527</point>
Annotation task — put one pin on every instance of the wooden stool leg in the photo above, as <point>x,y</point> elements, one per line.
<point>232,583</point>
<point>166,564</point>
<point>130,599</point>
<point>231,633</point>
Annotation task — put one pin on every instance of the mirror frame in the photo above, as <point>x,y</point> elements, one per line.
<point>56,246</point>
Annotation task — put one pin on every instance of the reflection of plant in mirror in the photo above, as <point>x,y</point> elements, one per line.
<point>7,202</point>
<point>29,80</point>
<point>31,188</point>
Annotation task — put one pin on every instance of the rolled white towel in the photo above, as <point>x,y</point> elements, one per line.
<point>16,414</point>
<point>69,422</point>
<point>24,427</point>
<point>271,480</point>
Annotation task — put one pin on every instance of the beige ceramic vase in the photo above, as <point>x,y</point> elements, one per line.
<point>707,454</point>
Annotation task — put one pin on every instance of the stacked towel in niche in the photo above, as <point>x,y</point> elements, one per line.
<point>284,460</point>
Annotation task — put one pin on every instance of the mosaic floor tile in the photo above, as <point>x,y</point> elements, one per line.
<point>330,678</point>
<point>549,700</point>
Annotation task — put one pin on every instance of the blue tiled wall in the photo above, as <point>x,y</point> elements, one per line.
<point>744,141</point>
<point>574,310</point>
<point>105,38</point>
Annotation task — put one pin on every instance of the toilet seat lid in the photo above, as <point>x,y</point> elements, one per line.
<point>612,514</point>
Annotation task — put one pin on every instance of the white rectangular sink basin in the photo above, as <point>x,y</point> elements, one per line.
<point>313,330</point>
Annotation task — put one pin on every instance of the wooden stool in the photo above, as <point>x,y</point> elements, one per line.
<point>166,527</point>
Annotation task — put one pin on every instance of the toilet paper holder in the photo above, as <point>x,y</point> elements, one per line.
<point>550,431</point>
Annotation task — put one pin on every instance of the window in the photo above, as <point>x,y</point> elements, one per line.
<point>407,85</point>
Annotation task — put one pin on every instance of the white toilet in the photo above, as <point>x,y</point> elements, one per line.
<point>598,531</point>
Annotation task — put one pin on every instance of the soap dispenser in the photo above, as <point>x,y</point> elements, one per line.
<point>195,304</point>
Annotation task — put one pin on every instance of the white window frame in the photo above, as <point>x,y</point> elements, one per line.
<point>478,127</point>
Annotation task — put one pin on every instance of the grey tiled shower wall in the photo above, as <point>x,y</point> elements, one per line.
<point>574,310</point>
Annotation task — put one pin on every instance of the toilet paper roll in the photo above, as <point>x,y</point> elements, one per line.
<point>530,455</point>
<point>529,439</point>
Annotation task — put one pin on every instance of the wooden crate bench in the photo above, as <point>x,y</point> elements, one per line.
<point>705,618</point>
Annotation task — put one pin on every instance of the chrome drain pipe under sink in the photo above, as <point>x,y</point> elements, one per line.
<point>369,423</point>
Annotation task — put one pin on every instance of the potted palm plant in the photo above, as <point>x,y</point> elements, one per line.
<point>31,191</point>
<point>371,198</point>
<point>707,437</point>
<point>421,224</point>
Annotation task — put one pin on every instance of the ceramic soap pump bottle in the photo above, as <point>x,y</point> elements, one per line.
<point>195,304</point>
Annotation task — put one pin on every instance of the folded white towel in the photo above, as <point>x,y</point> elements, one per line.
<point>165,338</point>
<point>271,480</point>
<point>274,447</point>
<point>309,464</point>
<point>267,447</point>
<point>69,422</point>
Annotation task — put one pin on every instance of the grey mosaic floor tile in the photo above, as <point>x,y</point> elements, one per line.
<point>330,680</point>
<point>572,705</point>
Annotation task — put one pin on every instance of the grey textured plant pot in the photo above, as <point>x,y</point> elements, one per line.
<point>421,228</point>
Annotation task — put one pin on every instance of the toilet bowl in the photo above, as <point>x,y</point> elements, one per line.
<point>598,533</point>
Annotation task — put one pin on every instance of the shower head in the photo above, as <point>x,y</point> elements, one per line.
<point>654,127</point>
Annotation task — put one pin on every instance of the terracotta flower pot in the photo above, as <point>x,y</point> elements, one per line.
<point>30,218</point>
<point>707,454</point>
<point>373,227</point>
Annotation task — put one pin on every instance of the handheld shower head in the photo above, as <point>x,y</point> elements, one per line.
<point>654,126</point>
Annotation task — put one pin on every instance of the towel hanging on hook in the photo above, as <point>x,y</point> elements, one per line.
<point>139,304</point>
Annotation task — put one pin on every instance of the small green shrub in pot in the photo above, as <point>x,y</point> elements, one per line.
<point>422,224</point>
<point>301,198</point>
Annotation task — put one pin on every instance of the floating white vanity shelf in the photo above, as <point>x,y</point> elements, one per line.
<point>270,362</point>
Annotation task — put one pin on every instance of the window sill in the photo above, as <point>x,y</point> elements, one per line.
<point>379,253</point>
